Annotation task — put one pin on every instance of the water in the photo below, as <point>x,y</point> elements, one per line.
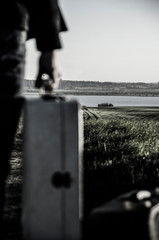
<point>93,101</point>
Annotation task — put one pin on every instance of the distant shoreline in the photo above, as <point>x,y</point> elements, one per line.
<point>67,87</point>
<point>98,93</point>
<point>109,93</point>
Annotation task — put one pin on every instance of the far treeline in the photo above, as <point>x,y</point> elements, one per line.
<point>116,88</point>
<point>102,88</point>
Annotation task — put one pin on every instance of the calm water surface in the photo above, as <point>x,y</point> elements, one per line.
<point>93,101</point>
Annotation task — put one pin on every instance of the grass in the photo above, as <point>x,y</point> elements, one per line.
<point>121,135</point>
<point>121,152</point>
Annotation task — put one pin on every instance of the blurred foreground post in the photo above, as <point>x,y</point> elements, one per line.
<point>52,193</point>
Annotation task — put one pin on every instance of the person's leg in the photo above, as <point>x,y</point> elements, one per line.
<point>12,59</point>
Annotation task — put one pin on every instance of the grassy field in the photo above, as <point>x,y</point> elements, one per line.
<point>121,152</point>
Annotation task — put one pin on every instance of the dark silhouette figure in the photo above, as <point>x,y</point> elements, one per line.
<point>21,20</point>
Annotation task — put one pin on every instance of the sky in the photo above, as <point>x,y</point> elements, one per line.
<point>107,40</point>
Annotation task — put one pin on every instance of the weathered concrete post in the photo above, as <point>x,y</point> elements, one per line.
<point>52,176</point>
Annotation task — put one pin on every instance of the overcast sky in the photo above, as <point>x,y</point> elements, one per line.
<point>108,40</point>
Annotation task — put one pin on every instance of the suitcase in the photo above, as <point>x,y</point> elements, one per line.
<point>130,216</point>
<point>52,188</point>
<point>153,222</point>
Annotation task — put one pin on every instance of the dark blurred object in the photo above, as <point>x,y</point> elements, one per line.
<point>131,216</point>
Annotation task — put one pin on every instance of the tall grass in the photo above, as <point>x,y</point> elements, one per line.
<point>115,141</point>
<point>120,154</point>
